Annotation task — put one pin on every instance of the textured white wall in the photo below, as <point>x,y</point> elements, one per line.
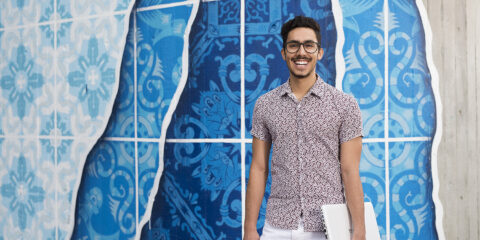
<point>456,52</point>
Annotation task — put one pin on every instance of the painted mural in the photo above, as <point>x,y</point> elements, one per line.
<point>169,152</point>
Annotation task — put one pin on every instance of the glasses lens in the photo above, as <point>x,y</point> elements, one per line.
<point>310,47</point>
<point>293,47</point>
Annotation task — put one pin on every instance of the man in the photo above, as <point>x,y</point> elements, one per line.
<point>316,134</point>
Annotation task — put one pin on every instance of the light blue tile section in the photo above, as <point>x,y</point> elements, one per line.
<point>24,12</point>
<point>88,54</point>
<point>81,8</point>
<point>26,81</point>
<point>364,54</point>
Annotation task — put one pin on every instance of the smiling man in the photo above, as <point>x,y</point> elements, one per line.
<point>315,131</point>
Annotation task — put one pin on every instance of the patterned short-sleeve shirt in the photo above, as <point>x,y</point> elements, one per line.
<point>306,137</point>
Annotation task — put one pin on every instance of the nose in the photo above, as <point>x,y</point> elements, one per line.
<point>301,50</point>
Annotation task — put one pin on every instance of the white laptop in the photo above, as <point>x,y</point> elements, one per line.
<point>338,223</point>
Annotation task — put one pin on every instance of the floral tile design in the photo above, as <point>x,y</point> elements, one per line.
<point>81,8</point>
<point>15,13</point>
<point>87,75</point>
<point>26,81</point>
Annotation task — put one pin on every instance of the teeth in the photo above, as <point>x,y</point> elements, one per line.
<point>301,62</point>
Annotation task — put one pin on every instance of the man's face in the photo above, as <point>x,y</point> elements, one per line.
<point>302,64</point>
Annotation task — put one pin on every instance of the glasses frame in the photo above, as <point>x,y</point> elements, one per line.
<point>302,44</point>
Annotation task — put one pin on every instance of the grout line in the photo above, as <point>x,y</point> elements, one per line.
<point>80,18</point>
<point>135,117</point>
<point>55,119</point>
<point>204,140</point>
<point>242,106</point>
<point>167,5</point>
<point>386,12</point>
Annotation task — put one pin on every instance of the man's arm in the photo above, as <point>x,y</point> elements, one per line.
<point>256,186</point>
<point>350,153</point>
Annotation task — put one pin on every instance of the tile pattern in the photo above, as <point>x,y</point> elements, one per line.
<point>58,82</point>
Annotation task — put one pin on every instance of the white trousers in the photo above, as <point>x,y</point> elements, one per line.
<point>272,233</point>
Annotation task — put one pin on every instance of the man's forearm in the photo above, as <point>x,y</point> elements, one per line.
<point>354,195</point>
<point>255,192</point>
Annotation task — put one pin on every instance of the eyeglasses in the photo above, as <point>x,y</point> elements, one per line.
<point>294,46</point>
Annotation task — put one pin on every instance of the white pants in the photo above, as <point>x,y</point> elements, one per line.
<point>272,233</point>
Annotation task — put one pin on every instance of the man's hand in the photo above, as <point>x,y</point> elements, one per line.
<point>251,235</point>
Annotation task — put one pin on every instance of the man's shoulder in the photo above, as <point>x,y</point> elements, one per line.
<point>270,96</point>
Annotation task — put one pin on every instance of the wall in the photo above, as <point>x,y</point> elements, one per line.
<point>456,51</point>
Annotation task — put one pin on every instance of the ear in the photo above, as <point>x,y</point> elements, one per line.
<point>320,54</point>
<point>283,53</point>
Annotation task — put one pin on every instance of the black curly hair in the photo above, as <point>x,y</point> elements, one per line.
<point>300,21</point>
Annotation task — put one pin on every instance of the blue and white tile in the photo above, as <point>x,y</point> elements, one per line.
<point>122,120</point>
<point>158,75</point>
<point>148,159</point>
<point>15,13</point>
<point>364,55</point>
<point>200,192</point>
<point>411,98</point>
<point>26,81</point>
<point>89,54</point>
<point>372,175</point>
<point>106,197</point>
<point>27,190</point>
<point>81,8</point>
<point>210,104</point>
<point>412,214</point>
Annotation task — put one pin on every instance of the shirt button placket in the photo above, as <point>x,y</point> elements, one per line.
<point>299,148</point>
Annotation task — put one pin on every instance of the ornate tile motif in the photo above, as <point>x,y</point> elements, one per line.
<point>195,178</point>
<point>82,8</point>
<point>411,97</point>
<point>158,74</point>
<point>26,81</point>
<point>106,200</point>
<point>26,190</point>
<point>15,13</point>
<point>364,54</point>
<point>86,73</point>
<point>372,175</point>
<point>210,104</point>
<point>411,209</point>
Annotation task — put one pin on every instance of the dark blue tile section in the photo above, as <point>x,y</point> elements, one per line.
<point>159,64</point>
<point>263,207</point>
<point>122,120</point>
<point>106,198</point>
<point>148,159</point>
<point>200,193</point>
<point>264,67</point>
<point>411,100</point>
<point>412,211</point>
<point>210,103</point>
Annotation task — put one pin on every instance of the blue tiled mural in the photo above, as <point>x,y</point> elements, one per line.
<point>177,129</point>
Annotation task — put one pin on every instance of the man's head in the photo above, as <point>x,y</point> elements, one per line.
<point>301,46</point>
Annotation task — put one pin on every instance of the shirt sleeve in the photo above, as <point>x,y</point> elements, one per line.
<point>351,126</point>
<point>259,126</point>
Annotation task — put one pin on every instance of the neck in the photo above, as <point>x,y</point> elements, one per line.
<point>300,86</point>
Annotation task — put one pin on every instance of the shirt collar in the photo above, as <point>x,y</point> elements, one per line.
<point>316,89</point>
